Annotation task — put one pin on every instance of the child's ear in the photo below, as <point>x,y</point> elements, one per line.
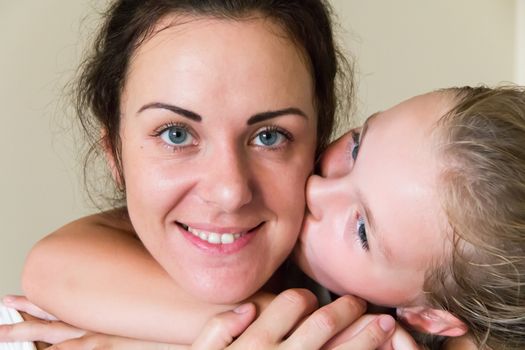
<point>434,321</point>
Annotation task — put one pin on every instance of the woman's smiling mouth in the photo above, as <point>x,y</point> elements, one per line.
<point>217,237</point>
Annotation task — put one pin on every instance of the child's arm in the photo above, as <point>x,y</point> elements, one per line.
<point>95,274</point>
<point>293,329</point>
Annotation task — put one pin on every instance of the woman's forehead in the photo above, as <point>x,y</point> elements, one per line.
<point>216,58</point>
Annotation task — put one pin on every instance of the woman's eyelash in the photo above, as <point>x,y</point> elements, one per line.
<point>166,126</point>
<point>175,136</point>
<point>361,233</point>
<point>275,128</point>
<point>272,138</point>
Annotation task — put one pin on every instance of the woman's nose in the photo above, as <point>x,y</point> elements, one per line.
<point>226,184</point>
<point>337,160</point>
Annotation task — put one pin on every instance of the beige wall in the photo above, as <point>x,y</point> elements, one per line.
<point>39,186</point>
<point>407,47</point>
<point>520,42</point>
<point>403,47</point>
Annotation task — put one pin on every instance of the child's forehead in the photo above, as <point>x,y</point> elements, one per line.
<point>424,110</point>
<point>410,127</point>
<point>398,156</point>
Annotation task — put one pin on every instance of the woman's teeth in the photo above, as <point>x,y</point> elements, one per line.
<point>213,237</point>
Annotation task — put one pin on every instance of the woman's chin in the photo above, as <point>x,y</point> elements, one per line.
<point>212,287</point>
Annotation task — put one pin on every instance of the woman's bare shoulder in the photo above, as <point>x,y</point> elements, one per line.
<point>115,221</point>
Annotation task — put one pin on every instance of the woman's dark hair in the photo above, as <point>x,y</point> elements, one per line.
<point>127,22</point>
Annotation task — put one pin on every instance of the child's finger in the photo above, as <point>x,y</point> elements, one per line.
<point>49,332</point>
<point>372,336</point>
<point>21,303</point>
<point>401,340</point>
<point>220,331</point>
<point>281,316</point>
<point>326,322</point>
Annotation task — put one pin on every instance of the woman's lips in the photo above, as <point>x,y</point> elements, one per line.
<point>224,240</point>
<point>215,237</point>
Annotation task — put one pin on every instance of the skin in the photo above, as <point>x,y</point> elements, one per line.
<point>220,178</point>
<point>297,328</point>
<point>412,168</point>
<point>195,79</point>
<point>394,174</point>
<point>225,85</point>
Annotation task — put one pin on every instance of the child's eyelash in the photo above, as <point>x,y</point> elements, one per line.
<point>361,233</point>
<point>355,146</point>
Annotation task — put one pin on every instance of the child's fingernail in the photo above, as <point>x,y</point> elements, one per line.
<point>242,309</point>
<point>386,323</point>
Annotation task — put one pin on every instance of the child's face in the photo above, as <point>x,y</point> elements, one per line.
<point>218,139</point>
<point>375,224</point>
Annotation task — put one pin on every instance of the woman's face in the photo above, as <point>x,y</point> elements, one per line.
<point>375,224</point>
<point>218,138</point>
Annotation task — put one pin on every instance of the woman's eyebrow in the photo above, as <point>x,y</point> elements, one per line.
<point>260,117</point>
<point>256,118</point>
<point>175,109</point>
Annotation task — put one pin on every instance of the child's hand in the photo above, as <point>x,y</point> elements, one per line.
<point>291,321</point>
<point>285,324</point>
<point>22,304</point>
<point>400,339</point>
<point>38,325</point>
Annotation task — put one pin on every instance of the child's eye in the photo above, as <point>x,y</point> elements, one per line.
<point>361,233</point>
<point>355,146</point>
<point>176,135</point>
<point>271,137</point>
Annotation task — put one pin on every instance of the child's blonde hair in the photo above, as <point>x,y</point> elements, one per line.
<point>483,195</point>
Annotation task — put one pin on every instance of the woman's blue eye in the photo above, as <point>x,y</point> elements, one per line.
<point>176,136</point>
<point>270,138</point>
<point>361,233</point>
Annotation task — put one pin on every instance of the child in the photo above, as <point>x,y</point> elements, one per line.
<point>437,182</point>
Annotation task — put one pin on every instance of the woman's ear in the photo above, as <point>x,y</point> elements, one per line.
<point>110,157</point>
<point>434,321</point>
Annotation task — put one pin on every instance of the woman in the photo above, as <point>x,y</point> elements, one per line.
<point>205,108</point>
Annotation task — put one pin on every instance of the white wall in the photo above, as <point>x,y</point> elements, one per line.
<point>403,47</point>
